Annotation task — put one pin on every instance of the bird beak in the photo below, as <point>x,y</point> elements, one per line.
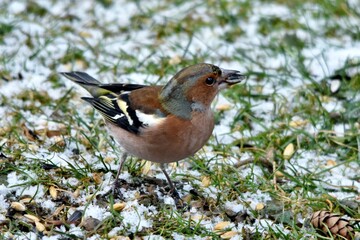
<point>231,77</point>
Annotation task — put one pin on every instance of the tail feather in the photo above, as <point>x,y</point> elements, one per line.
<point>81,78</point>
<point>96,88</point>
<point>87,82</point>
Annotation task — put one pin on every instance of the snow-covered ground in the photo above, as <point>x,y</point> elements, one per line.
<point>36,48</point>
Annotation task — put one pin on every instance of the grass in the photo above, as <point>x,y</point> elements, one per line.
<point>49,139</point>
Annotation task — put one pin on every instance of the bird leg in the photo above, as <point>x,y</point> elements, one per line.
<point>174,193</point>
<point>116,182</point>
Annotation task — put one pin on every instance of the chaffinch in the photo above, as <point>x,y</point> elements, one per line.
<point>162,124</point>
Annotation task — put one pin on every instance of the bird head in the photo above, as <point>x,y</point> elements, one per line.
<point>195,87</point>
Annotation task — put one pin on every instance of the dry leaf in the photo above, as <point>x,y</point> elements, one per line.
<point>54,133</point>
<point>58,210</point>
<point>51,133</point>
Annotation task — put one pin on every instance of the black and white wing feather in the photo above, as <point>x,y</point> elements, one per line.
<point>113,102</point>
<point>116,111</point>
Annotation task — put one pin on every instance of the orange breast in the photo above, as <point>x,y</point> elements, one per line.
<point>172,140</point>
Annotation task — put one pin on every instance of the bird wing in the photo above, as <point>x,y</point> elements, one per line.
<point>129,106</point>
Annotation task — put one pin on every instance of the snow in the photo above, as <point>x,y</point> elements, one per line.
<point>135,216</point>
<point>95,211</point>
<point>48,204</point>
<point>323,57</point>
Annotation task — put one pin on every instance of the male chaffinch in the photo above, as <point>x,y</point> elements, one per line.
<point>162,124</point>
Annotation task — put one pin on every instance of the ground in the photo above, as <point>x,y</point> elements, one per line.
<point>286,142</point>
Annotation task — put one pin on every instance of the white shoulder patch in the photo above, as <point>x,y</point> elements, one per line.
<point>149,119</point>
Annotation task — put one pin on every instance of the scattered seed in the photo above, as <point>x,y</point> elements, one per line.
<point>53,192</point>
<point>335,85</point>
<point>223,107</point>
<point>298,123</point>
<point>26,200</point>
<point>119,206</point>
<point>85,34</point>
<point>32,217</point>
<point>206,181</point>
<point>197,217</point>
<point>279,174</point>
<point>97,178</point>
<point>228,235</point>
<point>289,151</point>
<point>59,141</point>
<point>18,206</point>
<point>259,206</point>
<point>330,163</point>
<point>75,217</point>
<point>120,238</point>
<point>90,223</point>
<point>221,225</point>
<point>108,159</point>
<point>76,193</point>
<point>39,226</point>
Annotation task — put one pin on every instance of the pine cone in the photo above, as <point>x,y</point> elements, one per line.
<point>334,223</point>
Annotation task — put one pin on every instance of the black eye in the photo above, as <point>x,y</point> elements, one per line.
<point>210,81</point>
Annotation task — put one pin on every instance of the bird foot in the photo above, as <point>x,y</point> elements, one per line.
<point>179,203</point>
<point>115,190</point>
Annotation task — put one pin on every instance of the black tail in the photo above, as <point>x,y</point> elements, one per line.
<point>81,78</point>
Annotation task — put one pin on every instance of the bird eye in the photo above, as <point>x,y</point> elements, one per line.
<point>210,81</point>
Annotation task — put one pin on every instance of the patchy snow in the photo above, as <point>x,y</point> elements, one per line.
<point>135,216</point>
<point>35,63</point>
<point>95,211</point>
